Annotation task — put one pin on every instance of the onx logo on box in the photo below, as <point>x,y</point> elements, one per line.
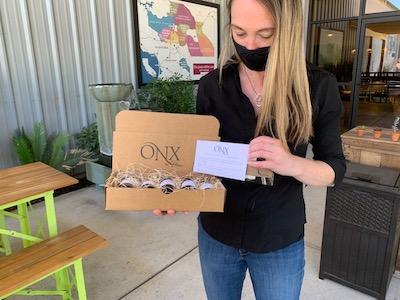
<point>169,154</point>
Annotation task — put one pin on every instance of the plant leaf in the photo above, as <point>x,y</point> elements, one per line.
<point>23,147</point>
<point>76,157</point>
<point>88,138</point>
<point>38,140</point>
<point>56,153</point>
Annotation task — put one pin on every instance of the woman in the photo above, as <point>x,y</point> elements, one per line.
<point>265,95</point>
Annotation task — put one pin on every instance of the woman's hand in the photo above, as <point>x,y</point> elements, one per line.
<point>272,155</point>
<point>170,212</point>
<point>159,212</point>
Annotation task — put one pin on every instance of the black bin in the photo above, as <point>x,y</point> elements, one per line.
<point>362,229</point>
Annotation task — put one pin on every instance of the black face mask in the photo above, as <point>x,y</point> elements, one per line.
<point>256,59</point>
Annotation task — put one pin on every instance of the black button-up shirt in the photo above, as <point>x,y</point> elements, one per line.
<point>257,217</point>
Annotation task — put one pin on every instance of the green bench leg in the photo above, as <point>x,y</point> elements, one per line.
<point>24,222</point>
<point>51,214</point>
<point>80,280</point>
<point>62,278</point>
<point>4,239</point>
<point>80,285</point>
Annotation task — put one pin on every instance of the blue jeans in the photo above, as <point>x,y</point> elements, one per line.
<point>276,275</point>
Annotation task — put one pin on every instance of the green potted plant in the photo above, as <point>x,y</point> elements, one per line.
<point>75,162</point>
<point>38,146</point>
<point>88,139</point>
<point>49,149</point>
<point>88,149</point>
<point>172,95</point>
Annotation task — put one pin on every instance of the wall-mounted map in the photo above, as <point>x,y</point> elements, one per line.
<point>176,38</point>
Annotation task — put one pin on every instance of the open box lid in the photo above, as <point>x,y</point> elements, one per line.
<point>160,140</point>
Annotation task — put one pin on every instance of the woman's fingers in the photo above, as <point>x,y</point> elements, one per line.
<point>157,212</point>
<point>264,140</point>
<point>265,148</point>
<point>267,164</point>
<point>269,147</point>
<point>266,155</point>
<point>170,212</point>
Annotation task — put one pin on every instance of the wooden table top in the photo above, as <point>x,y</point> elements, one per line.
<point>384,143</point>
<point>30,179</point>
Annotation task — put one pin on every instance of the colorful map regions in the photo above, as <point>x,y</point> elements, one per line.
<point>175,36</point>
<point>184,65</point>
<point>206,47</point>
<point>182,15</point>
<point>150,67</point>
<point>158,24</point>
<point>173,29</point>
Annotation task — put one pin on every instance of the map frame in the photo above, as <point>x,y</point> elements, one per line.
<point>137,33</point>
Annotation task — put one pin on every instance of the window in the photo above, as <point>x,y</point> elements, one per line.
<point>377,6</point>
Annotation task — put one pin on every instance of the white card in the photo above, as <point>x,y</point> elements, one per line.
<point>228,160</point>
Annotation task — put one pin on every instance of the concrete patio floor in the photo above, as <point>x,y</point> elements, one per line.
<point>157,258</point>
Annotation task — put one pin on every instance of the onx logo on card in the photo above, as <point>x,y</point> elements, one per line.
<point>220,149</point>
<point>169,154</point>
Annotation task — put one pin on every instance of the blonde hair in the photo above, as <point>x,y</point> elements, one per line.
<point>286,112</point>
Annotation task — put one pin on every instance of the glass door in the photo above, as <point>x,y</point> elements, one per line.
<point>377,81</point>
<point>333,48</point>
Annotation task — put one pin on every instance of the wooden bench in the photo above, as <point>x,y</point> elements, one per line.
<point>46,258</point>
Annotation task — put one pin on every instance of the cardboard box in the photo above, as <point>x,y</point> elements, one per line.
<point>162,141</point>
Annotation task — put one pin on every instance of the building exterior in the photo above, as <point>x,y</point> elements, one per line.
<point>50,51</point>
<point>359,41</point>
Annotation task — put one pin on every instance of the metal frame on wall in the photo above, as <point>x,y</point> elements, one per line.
<point>362,21</point>
<point>138,39</point>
